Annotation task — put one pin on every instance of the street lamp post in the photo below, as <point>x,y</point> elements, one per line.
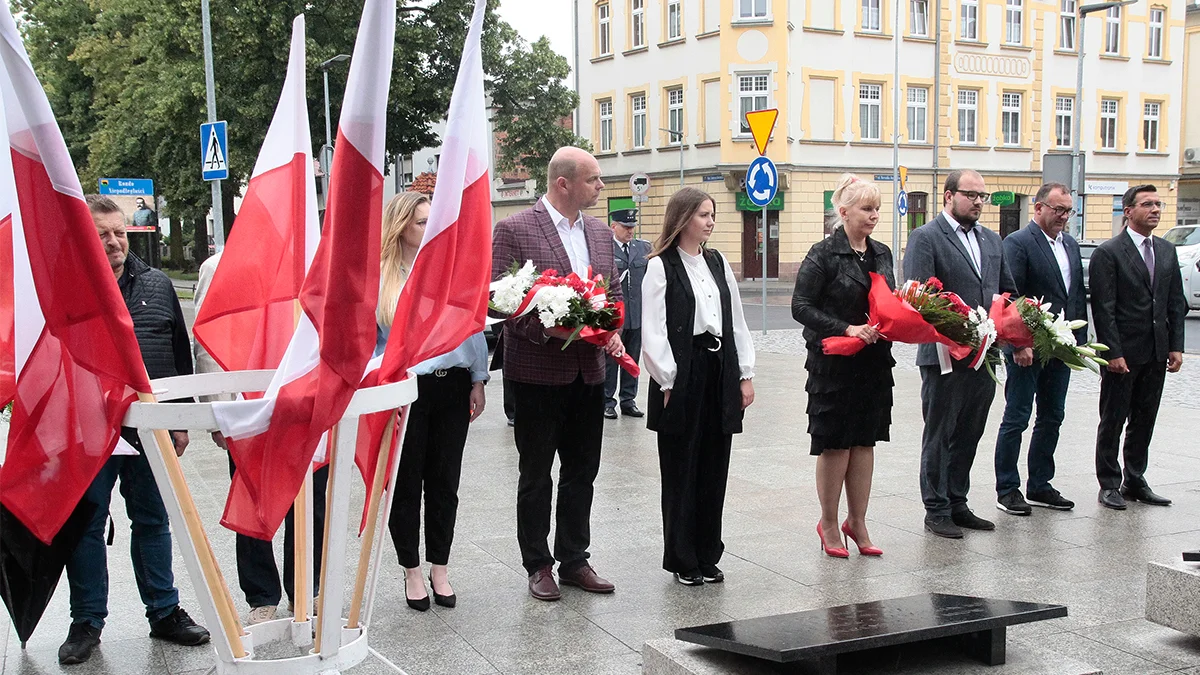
<point>1077,113</point>
<point>677,134</point>
<point>327,149</point>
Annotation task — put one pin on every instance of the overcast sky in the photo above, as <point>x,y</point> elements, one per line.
<point>535,18</point>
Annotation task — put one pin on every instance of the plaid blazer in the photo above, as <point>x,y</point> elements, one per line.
<point>529,356</point>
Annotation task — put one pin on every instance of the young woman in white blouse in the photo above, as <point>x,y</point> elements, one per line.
<point>698,351</point>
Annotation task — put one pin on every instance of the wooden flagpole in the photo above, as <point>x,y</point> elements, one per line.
<point>368,538</point>
<point>330,456</point>
<point>302,577</point>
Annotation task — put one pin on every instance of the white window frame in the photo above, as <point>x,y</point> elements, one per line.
<point>1064,121</point>
<point>968,112</point>
<point>605,115</point>
<point>968,11</point>
<point>1110,123</point>
<point>604,28</point>
<point>1155,29</point>
<point>675,114</point>
<point>637,24</point>
<point>872,16</point>
<point>870,111</point>
<point>751,10</point>
<point>917,117</point>
<point>674,25</point>
<point>639,121</point>
<point>755,88</point>
<point>1010,118</point>
<point>1066,24</point>
<point>1151,118</point>
<point>1014,22</point>
<point>1112,31</point>
<point>918,18</point>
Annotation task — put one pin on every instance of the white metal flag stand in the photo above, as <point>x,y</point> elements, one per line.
<point>334,655</point>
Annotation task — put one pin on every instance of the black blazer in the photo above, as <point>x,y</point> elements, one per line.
<point>1138,322</point>
<point>1035,272</point>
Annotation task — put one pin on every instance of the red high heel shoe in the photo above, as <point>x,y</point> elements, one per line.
<point>831,552</point>
<point>862,550</point>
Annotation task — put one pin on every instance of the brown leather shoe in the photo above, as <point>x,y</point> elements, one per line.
<point>542,586</point>
<point>586,578</point>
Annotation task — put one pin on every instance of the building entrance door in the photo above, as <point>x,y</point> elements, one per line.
<point>752,245</point>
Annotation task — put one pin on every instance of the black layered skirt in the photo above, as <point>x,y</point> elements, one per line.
<point>849,398</point>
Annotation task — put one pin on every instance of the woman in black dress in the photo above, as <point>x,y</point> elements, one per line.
<point>849,397</point>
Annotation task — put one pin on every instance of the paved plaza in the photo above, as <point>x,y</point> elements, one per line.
<point>1090,559</point>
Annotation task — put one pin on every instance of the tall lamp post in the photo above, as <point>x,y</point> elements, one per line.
<point>677,135</point>
<point>1077,113</point>
<point>327,149</point>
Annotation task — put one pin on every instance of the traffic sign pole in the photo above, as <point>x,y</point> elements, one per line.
<point>211,96</point>
<point>765,242</point>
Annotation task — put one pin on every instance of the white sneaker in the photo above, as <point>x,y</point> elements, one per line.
<point>261,615</point>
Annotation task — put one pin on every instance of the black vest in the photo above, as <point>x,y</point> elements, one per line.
<point>150,298</point>
<point>681,317</point>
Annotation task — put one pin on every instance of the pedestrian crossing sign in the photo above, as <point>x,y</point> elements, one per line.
<point>214,151</point>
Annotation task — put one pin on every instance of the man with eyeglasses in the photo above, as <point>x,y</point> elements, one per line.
<point>1045,264</point>
<point>1138,309</point>
<point>969,260</point>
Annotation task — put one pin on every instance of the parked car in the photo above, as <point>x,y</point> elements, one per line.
<point>1186,239</point>
<point>1086,248</point>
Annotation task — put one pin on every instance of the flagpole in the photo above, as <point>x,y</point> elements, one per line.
<point>302,576</point>
<point>368,538</point>
<point>331,457</point>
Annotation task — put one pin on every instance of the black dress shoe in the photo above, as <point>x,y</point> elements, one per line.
<point>1013,503</point>
<point>943,526</point>
<point>1111,499</point>
<point>1146,496</point>
<point>82,638</point>
<point>712,574</point>
<point>610,413</point>
<point>632,411</point>
<point>966,518</point>
<point>179,628</point>
<point>692,578</point>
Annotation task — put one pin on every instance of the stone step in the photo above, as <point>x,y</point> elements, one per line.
<point>1173,595</point>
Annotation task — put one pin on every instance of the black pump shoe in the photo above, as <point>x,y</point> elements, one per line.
<point>442,600</point>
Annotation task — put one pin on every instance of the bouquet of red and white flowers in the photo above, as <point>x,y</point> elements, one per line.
<point>575,303</point>
<point>1028,322</point>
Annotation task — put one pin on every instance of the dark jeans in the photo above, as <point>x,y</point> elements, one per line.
<point>955,408</point>
<point>257,574</point>
<point>1132,397</point>
<point>695,469</point>
<point>632,339</point>
<point>431,459</point>
<point>568,421</point>
<point>1047,384</point>
<point>149,542</point>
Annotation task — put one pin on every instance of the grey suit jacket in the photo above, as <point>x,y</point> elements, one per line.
<point>934,250</point>
<point>631,269</point>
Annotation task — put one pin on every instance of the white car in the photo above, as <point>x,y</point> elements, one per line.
<point>1186,239</point>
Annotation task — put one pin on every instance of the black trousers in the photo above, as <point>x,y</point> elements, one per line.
<point>955,408</point>
<point>257,574</point>
<point>510,405</point>
<point>1131,397</point>
<point>431,460</point>
<point>566,420</point>
<point>695,469</point>
<point>632,339</point>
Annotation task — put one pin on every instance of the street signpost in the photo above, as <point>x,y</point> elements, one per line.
<point>138,187</point>
<point>639,185</point>
<point>902,203</point>
<point>762,183</point>
<point>214,151</point>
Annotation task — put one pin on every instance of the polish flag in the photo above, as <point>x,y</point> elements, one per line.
<point>69,361</point>
<point>445,298</point>
<point>273,439</point>
<point>249,313</point>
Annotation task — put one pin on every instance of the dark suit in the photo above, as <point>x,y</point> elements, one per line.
<point>955,405</point>
<point>631,269</point>
<point>1141,322</point>
<point>558,395</point>
<point>1036,273</point>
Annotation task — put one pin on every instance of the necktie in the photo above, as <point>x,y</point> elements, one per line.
<point>625,250</point>
<point>1148,247</point>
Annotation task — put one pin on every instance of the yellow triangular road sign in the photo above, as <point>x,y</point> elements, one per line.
<point>762,122</point>
<point>903,176</point>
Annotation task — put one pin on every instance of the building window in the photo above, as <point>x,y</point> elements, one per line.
<point>638,105</point>
<point>675,116</point>
<point>1010,118</point>
<point>968,100</point>
<point>918,98</point>
<point>637,23</point>
<point>1150,117</point>
<point>1154,38</point>
<point>606,126</point>
<point>1064,120</point>
<point>1108,123</point>
<point>969,19</point>
<point>1014,26</point>
<point>1112,31</point>
<point>870,111</point>
<point>604,29</point>
<point>1066,25</point>
<point>871,19</point>
<point>918,17</point>
<point>752,9</point>
<point>752,95</point>
<point>674,20</point>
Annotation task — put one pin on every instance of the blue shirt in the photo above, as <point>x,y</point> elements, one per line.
<point>472,354</point>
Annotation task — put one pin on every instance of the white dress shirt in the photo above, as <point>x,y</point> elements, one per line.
<point>657,357</point>
<point>969,239</point>
<point>574,239</point>
<point>1059,247</point>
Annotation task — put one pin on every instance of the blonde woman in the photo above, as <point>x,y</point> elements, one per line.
<point>849,397</point>
<point>700,357</point>
<point>449,397</point>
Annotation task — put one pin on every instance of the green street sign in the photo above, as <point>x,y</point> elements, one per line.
<point>744,203</point>
<point>1003,198</point>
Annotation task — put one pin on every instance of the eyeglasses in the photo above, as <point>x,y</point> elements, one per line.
<point>972,195</point>
<point>1060,211</point>
<point>1152,205</point>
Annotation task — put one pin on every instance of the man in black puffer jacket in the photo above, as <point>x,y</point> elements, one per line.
<point>162,336</point>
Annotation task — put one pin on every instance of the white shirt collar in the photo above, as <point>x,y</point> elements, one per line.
<point>557,217</point>
<point>1053,242</point>
<point>1137,237</point>
<point>954,224</point>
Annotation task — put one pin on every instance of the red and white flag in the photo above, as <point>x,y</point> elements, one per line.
<point>69,361</point>
<point>249,313</point>
<point>273,439</point>
<point>444,300</point>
